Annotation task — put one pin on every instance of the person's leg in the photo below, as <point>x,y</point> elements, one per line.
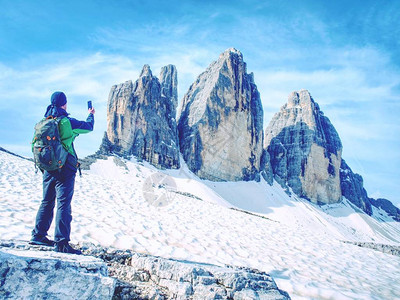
<point>64,191</point>
<point>44,215</point>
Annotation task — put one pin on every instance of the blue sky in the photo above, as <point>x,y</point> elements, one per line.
<point>346,53</point>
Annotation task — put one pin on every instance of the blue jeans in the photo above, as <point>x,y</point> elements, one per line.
<point>56,185</point>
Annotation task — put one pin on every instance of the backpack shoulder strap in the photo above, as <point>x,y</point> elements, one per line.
<point>58,119</point>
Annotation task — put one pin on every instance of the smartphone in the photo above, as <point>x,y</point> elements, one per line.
<point>89,104</point>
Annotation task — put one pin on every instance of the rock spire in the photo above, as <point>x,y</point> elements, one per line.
<point>221,122</point>
<point>141,119</point>
<point>305,150</point>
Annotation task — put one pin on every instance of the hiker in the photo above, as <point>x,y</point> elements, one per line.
<point>60,183</point>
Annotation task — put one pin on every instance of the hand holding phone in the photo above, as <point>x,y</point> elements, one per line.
<point>90,108</point>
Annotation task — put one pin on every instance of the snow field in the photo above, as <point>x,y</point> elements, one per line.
<point>296,242</point>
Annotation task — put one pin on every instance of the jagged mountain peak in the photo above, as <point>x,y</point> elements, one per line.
<point>146,71</point>
<point>299,99</point>
<point>229,68</point>
<point>232,58</point>
<point>231,52</point>
<point>220,126</point>
<point>169,84</point>
<point>168,68</point>
<point>301,108</point>
<point>305,149</point>
<point>141,119</point>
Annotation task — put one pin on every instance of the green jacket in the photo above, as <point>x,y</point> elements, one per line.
<point>68,133</point>
<point>69,128</point>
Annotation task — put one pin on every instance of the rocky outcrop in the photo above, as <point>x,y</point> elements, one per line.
<point>142,276</point>
<point>221,122</point>
<point>389,249</point>
<point>141,119</point>
<point>305,150</point>
<point>169,85</point>
<point>352,186</point>
<point>134,276</point>
<point>33,274</point>
<point>388,207</point>
<point>266,167</point>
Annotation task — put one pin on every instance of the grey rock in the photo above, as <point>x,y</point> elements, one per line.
<point>266,167</point>
<point>143,276</point>
<point>48,275</point>
<point>221,122</point>
<point>305,150</point>
<point>389,249</point>
<point>388,207</point>
<point>150,277</point>
<point>352,186</point>
<point>190,280</point>
<point>169,84</point>
<point>141,119</point>
<point>146,72</point>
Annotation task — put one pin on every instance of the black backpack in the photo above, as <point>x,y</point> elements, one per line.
<point>48,152</point>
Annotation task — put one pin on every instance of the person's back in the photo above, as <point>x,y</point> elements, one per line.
<point>59,184</point>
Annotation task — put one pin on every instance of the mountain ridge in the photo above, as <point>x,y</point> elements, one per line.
<point>221,136</point>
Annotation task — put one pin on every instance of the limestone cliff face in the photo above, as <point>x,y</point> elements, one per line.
<point>169,84</point>
<point>221,122</point>
<point>387,206</point>
<point>305,150</point>
<point>141,119</point>
<point>352,185</point>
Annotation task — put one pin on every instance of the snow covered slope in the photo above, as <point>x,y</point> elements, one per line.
<point>173,214</point>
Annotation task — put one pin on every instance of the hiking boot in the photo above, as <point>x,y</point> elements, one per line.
<point>64,247</point>
<point>41,241</point>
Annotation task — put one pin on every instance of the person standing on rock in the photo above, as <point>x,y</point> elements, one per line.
<point>59,184</point>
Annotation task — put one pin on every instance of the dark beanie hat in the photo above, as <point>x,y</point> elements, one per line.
<point>58,99</point>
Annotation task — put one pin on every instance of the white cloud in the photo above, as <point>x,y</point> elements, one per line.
<point>78,76</point>
<point>26,92</point>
